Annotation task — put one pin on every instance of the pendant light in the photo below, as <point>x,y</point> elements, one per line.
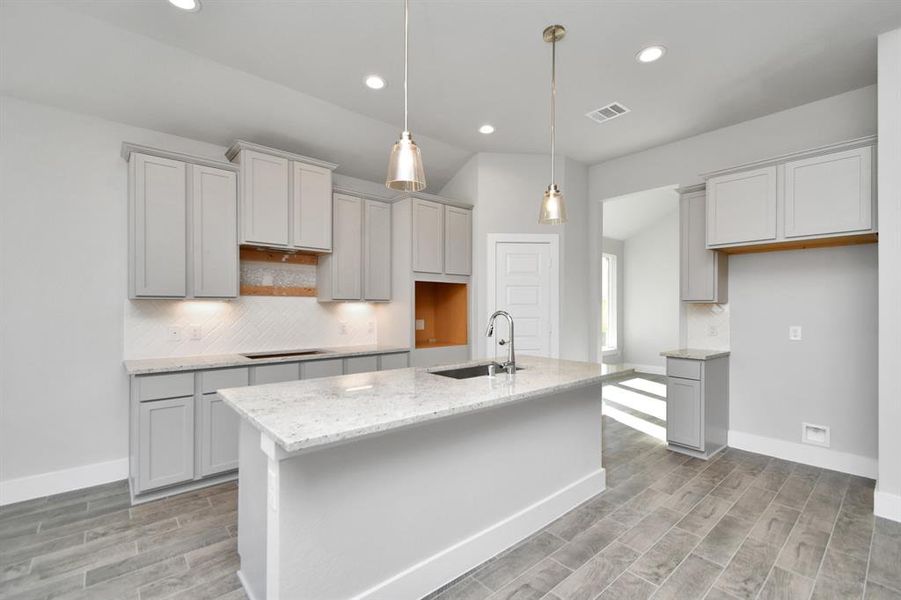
<point>553,208</point>
<point>405,172</point>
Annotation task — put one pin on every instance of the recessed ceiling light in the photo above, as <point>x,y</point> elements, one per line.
<point>189,5</point>
<point>486,129</point>
<point>650,54</point>
<point>374,82</point>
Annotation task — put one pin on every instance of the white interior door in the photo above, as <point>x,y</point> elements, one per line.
<point>524,279</point>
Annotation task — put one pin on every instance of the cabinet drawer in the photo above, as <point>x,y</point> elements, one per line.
<point>276,373</point>
<point>361,364</point>
<point>684,368</point>
<point>171,385</point>
<point>323,368</point>
<point>393,361</point>
<point>210,381</point>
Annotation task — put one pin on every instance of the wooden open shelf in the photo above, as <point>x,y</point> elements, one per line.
<point>828,242</point>
<point>444,308</point>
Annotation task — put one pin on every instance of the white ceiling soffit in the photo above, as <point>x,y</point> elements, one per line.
<point>624,216</point>
<point>471,63</point>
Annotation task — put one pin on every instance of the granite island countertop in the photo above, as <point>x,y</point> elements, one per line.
<point>300,415</point>
<point>145,366</point>
<point>695,353</point>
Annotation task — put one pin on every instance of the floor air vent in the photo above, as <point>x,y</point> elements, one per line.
<point>605,113</point>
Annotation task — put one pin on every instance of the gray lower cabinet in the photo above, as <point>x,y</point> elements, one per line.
<point>183,435</point>
<point>697,405</point>
<point>165,442</point>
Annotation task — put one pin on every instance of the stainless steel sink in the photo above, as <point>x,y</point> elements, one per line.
<point>283,354</point>
<point>470,372</point>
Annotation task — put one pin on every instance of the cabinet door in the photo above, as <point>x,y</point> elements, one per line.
<point>457,241</point>
<point>741,207</point>
<point>159,242</point>
<point>265,200</point>
<point>323,368</point>
<point>376,250</point>
<point>683,412</point>
<point>165,442</point>
<point>829,194</point>
<point>698,266</point>
<point>312,202</point>
<point>218,433</point>
<point>361,364</point>
<point>215,232</point>
<point>428,236</point>
<point>347,249</point>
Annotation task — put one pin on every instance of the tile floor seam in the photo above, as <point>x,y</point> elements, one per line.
<point>782,547</point>
<point>829,542</point>
<point>866,577</point>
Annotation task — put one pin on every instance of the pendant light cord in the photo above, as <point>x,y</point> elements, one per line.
<point>553,102</point>
<point>406,45</point>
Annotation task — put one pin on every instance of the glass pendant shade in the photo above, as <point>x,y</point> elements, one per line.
<point>553,207</point>
<point>405,172</point>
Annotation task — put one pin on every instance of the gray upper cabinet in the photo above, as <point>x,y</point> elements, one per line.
<point>359,267</point>
<point>286,198</point>
<point>703,275</point>
<point>428,236</point>
<point>741,207</point>
<point>215,219</point>
<point>829,194</point>
<point>158,215</point>
<point>457,241</point>
<point>182,225</point>
<point>347,254</point>
<point>376,250</point>
<point>312,207</point>
<point>778,203</point>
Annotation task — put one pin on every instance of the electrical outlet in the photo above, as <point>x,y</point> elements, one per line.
<point>371,327</point>
<point>420,324</point>
<point>174,333</point>
<point>713,331</point>
<point>818,435</point>
<point>794,333</point>
<point>342,328</point>
<point>196,332</point>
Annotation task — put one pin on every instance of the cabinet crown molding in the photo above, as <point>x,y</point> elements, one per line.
<point>431,198</point>
<point>869,140</point>
<point>129,147</point>
<point>240,145</point>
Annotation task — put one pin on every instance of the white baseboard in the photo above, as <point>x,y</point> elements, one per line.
<point>57,482</point>
<point>887,506</point>
<point>652,369</point>
<point>816,456</point>
<point>455,560</point>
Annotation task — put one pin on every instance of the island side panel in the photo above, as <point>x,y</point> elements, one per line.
<point>397,515</point>
<point>252,511</point>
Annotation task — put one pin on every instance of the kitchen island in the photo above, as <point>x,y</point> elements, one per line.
<point>390,484</point>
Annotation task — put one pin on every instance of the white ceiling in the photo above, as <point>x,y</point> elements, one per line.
<point>624,216</point>
<point>472,62</point>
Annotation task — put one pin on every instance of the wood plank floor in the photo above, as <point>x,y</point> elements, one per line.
<point>739,526</point>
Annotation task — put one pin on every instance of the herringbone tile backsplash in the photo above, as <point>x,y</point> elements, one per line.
<point>245,324</point>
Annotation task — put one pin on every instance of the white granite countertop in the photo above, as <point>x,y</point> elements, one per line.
<point>144,366</point>
<point>300,415</point>
<point>695,353</point>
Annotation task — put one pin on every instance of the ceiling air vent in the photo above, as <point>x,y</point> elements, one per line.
<point>605,113</point>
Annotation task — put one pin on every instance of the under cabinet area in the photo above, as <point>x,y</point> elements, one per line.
<point>819,197</point>
<point>286,198</point>
<point>359,267</point>
<point>182,235</point>
<point>703,273</point>
<point>184,436</point>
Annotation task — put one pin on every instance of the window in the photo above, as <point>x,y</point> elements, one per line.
<point>608,303</point>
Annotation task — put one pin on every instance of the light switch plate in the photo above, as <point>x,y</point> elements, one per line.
<point>794,333</point>
<point>420,324</point>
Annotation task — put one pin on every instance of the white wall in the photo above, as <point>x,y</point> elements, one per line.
<point>651,293</point>
<point>506,190</point>
<point>63,252</point>
<point>827,378</point>
<point>888,488</point>
<point>796,129</point>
